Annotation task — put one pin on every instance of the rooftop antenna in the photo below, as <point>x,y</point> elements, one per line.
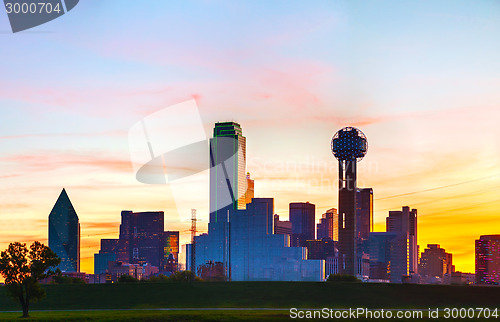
<point>193,246</point>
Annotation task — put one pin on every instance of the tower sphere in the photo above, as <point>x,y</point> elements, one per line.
<point>349,144</point>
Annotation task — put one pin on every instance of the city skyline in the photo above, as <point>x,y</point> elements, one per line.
<point>424,94</point>
<point>63,202</point>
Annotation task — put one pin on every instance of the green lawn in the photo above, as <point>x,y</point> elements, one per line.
<point>149,315</point>
<point>241,295</point>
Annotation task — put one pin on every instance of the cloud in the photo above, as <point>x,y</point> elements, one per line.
<point>88,134</point>
<point>47,161</point>
<point>102,225</point>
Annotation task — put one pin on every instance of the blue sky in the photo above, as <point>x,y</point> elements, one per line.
<point>419,78</point>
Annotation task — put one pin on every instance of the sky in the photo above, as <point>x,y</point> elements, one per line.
<point>420,79</point>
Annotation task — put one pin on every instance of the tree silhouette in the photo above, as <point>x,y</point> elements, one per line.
<point>127,279</point>
<point>184,276</point>
<point>22,268</point>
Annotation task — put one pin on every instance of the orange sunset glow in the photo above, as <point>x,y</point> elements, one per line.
<point>425,94</point>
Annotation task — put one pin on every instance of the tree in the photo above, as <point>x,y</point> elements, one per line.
<point>342,278</point>
<point>125,278</point>
<point>157,279</point>
<point>23,268</point>
<point>184,276</point>
<point>61,279</point>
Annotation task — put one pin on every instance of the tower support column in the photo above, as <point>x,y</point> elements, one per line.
<point>347,217</point>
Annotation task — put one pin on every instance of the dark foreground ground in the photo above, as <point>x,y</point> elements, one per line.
<point>241,295</point>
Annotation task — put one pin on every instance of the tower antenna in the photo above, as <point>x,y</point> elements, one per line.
<point>193,246</point>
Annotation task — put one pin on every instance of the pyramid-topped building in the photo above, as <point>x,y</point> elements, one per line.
<point>64,233</point>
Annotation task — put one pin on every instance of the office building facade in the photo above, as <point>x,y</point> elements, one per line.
<point>282,227</point>
<point>435,263</point>
<point>142,241</point>
<point>143,233</point>
<point>364,213</point>
<point>388,256</point>
<point>170,251</point>
<point>302,217</point>
<point>321,248</point>
<point>249,194</point>
<point>101,262</point>
<point>405,221</point>
<point>488,260</point>
<point>328,226</point>
<point>255,252</point>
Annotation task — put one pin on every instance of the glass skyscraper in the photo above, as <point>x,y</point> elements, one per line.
<point>255,253</point>
<point>302,217</point>
<point>101,262</point>
<point>405,221</point>
<point>142,241</point>
<point>228,185</point>
<point>64,233</point>
<point>328,226</point>
<point>228,180</point>
<point>143,233</point>
<point>388,256</point>
<point>240,235</point>
<point>364,213</point>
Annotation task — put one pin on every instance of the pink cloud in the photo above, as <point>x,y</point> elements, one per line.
<point>52,161</point>
<point>89,134</point>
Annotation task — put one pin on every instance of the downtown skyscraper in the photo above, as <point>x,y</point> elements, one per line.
<point>435,263</point>
<point>143,234</point>
<point>328,226</point>
<point>228,186</point>
<point>364,213</point>
<point>141,240</point>
<point>302,217</point>
<point>64,233</point>
<point>241,239</point>
<point>405,221</point>
<point>488,259</point>
<point>393,255</point>
<point>228,180</point>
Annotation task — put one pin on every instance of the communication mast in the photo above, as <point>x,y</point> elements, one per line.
<point>193,247</point>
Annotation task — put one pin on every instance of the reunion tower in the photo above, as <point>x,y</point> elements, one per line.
<point>349,145</point>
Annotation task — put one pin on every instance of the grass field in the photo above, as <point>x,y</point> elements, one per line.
<point>240,295</point>
<point>151,316</point>
<point>182,315</point>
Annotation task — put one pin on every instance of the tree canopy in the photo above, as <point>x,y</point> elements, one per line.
<point>127,279</point>
<point>22,268</point>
